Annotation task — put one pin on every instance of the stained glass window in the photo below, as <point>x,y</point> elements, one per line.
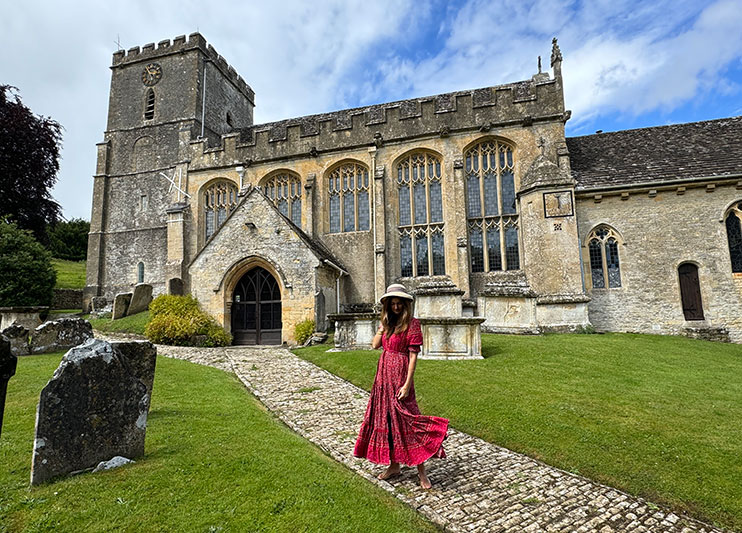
<point>490,176</point>
<point>284,190</point>
<point>219,200</point>
<point>421,215</point>
<point>604,262</point>
<point>348,194</point>
<point>734,237</point>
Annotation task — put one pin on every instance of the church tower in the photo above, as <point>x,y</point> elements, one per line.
<point>161,98</point>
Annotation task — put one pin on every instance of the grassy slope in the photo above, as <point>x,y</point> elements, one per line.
<point>215,461</point>
<point>128,324</point>
<point>70,274</point>
<point>657,416</point>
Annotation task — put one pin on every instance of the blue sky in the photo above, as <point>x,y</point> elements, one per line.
<point>627,64</point>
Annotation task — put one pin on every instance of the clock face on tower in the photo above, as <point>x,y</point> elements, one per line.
<point>151,74</point>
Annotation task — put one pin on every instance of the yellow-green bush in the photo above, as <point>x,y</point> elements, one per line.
<point>303,330</point>
<point>178,320</point>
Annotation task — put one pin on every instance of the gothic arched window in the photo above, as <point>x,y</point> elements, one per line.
<point>219,200</point>
<point>149,104</point>
<point>284,190</point>
<point>733,222</point>
<point>420,215</point>
<point>492,212</point>
<point>347,191</point>
<point>603,252</point>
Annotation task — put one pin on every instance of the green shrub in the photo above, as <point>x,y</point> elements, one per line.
<point>178,320</point>
<point>303,330</point>
<point>27,276</point>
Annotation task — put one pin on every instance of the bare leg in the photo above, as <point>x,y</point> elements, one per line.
<point>424,481</point>
<point>391,471</point>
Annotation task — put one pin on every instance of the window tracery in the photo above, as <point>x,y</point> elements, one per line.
<point>219,200</point>
<point>491,207</point>
<point>604,262</point>
<point>421,241</point>
<point>347,190</point>
<point>733,223</point>
<point>284,190</point>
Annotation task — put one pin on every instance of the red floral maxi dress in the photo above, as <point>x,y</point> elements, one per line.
<point>394,430</point>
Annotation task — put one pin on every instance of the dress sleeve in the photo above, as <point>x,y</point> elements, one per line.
<point>414,336</point>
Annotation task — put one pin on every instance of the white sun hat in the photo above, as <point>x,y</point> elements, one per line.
<point>398,290</point>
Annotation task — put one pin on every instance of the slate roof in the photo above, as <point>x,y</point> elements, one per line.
<point>664,153</point>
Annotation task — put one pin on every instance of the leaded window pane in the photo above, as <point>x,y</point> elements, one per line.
<point>349,211</point>
<point>405,252</point>
<point>508,193</point>
<point>439,261</point>
<point>611,259</point>
<point>596,264</point>
<point>283,207</point>
<point>476,248</point>
<point>421,212</point>
<point>734,237</point>
<point>363,211</point>
<point>421,245</point>
<point>436,202</point>
<point>472,196</point>
<point>285,192</point>
<point>221,216</point>
<point>335,213</point>
<point>511,248</point>
<point>218,201</point>
<point>404,206</point>
<point>490,194</point>
<point>494,255</point>
<point>296,212</point>
<point>209,223</point>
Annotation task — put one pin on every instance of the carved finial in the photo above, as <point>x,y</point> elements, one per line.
<point>539,64</point>
<point>541,144</point>
<point>556,53</point>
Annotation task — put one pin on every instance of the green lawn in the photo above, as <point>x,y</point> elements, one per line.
<point>654,415</point>
<point>215,461</point>
<point>128,324</point>
<point>70,274</point>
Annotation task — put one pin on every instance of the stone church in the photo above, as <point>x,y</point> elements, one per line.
<point>475,194</point>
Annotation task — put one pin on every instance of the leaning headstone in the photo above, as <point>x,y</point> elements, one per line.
<point>60,334</point>
<point>94,408</point>
<point>141,357</point>
<point>140,299</point>
<point>8,363</point>
<point>121,305</point>
<point>19,339</point>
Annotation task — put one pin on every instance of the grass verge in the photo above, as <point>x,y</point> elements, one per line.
<point>215,461</point>
<point>657,416</point>
<point>128,324</point>
<point>70,274</point>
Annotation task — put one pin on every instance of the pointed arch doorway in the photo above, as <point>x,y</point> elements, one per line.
<point>256,309</point>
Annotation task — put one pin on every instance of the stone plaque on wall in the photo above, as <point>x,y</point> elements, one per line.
<point>558,204</point>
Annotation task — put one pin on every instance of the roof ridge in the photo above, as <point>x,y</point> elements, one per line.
<point>739,117</point>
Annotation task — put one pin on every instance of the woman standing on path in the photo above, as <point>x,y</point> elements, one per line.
<point>393,430</point>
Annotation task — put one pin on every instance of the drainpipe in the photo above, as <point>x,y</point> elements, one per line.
<point>341,273</point>
<point>203,103</point>
<point>372,199</point>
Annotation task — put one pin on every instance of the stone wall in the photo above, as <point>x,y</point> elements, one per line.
<point>67,299</point>
<point>660,229</point>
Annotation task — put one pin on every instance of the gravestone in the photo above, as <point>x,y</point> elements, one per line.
<point>8,363</point>
<point>94,408</point>
<point>60,334</point>
<point>175,286</point>
<point>121,305</point>
<point>19,339</point>
<point>140,299</point>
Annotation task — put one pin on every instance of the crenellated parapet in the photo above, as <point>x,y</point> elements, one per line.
<point>521,103</point>
<point>179,45</point>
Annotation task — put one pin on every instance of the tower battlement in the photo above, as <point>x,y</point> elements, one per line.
<point>179,45</point>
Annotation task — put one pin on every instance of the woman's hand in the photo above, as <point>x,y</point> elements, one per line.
<point>403,392</point>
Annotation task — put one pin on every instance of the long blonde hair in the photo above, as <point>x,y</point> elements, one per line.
<point>395,323</point>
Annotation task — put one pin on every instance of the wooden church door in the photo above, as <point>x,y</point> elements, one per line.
<point>690,291</point>
<point>256,309</point>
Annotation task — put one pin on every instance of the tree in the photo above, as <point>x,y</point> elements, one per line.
<point>27,276</point>
<point>69,240</point>
<point>29,162</point>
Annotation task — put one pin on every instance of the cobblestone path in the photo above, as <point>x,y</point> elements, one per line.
<point>479,487</point>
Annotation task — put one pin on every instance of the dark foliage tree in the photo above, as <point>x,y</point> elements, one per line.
<point>69,240</point>
<point>27,276</point>
<point>29,162</point>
